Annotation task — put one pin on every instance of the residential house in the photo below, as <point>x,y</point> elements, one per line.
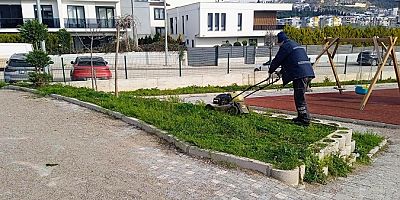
<point>208,24</point>
<point>79,17</point>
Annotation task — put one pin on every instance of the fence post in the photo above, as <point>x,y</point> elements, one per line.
<point>62,66</point>
<point>345,65</point>
<point>126,70</point>
<point>180,66</point>
<point>216,56</point>
<point>228,64</point>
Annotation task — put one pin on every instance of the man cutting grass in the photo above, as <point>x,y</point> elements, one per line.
<point>297,68</point>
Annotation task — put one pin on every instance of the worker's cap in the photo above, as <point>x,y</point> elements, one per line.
<point>282,37</point>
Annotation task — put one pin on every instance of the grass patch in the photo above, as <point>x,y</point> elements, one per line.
<point>231,88</point>
<point>365,142</point>
<point>255,136</point>
<point>2,84</point>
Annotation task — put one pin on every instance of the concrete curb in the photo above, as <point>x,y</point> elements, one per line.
<point>327,117</point>
<point>290,177</point>
<point>377,148</point>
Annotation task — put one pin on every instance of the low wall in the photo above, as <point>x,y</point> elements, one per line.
<point>214,80</point>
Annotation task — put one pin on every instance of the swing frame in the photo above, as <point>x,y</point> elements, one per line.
<point>388,43</point>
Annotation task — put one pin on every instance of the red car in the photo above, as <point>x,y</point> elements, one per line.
<point>82,69</point>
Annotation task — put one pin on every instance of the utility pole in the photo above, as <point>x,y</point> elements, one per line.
<point>166,32</point>
<point>134,31</point>
<point>39,14</point>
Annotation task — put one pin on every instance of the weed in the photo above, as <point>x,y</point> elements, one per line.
<point>365,142</point>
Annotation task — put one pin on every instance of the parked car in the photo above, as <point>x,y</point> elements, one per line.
<point>370,58</point>
<point>82,69</point>
<point>17,69</point>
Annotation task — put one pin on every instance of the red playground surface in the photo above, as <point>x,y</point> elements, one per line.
<point>383,105</point>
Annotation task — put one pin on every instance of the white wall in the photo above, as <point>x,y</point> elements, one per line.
<point>191,25</point>
<point>197,25</point>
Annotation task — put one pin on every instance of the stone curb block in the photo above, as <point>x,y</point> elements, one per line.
<point>14,87</point>
<point>197,152</point>
<point>347,134</point>
<point>377,148</point>
<point>290,177</point>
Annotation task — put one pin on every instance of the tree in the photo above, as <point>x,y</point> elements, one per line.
<point>64,40</point>
<point>34,32</point>
<point>39,59</point>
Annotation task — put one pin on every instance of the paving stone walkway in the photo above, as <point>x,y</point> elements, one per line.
<point>92,156</point>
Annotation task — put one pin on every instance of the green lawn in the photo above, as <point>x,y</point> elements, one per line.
<point>271,140</point>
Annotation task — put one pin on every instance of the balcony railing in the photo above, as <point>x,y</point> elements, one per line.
<point>267,27</point>
<point>15,22</point>
<point>89,23</point>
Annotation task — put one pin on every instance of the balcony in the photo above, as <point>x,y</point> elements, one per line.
<point>267,27</point>
<point>15,22</point>
<point>89,23</point>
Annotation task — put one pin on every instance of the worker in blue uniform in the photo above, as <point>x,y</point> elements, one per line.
<point>297,68</point>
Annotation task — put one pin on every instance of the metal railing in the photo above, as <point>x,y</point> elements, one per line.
<point>89,23</point>
<point>268,27</point>
<point>15,22</point>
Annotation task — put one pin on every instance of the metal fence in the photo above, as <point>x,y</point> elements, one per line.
<point>209,62</point>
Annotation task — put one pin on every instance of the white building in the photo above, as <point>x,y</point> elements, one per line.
<point>149,15</point>
<point>209,24</point>
<point>79,17</point>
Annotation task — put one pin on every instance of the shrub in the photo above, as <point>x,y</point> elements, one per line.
<point>244,42</point>
<point>237,44</point>
<point>40,79</point>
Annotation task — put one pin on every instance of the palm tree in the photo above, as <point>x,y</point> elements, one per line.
<point>121,23</point>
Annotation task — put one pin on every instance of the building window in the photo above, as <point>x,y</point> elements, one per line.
<point>105,17</point>
<point>183,24</point>
<point>192,43</point>
<point>187,41</point>
<point>216,22</point>
<point>76,17</point>
<point>187,17</point>
<point>47,16</point>
<point>223,21</point>
<point>176,25</point>
<point>160,31</point>
<point>10,16</point>
<point>239,21</point>
<point>210,21</point>
<point>171,25</point>
<point>159,14</point>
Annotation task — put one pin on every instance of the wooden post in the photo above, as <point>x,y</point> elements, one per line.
<point>326,47</point>
<point>380,68</point>
<point>334,71</point>
<point>335,49</point>
<point>116,60</point>
<point>396,66</point>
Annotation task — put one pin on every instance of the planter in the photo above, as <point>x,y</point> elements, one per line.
<point>347,134</point>
<point>340,139</point>
<point>290,177</point>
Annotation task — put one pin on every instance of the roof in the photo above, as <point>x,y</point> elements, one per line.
<point>18,56</point>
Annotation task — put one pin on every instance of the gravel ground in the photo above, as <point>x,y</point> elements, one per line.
<point>51,149</point>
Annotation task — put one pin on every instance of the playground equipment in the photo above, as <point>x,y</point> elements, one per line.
<point>387,43</point>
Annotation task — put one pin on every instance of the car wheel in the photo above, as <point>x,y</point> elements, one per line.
<point>257,69</point>
<point>374,63</point>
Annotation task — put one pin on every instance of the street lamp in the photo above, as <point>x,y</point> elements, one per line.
<point>39,14</point>
<point>166,32</point>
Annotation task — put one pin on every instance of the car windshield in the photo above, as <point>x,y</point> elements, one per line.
<point>18,63</point>
<point>95,63</point>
